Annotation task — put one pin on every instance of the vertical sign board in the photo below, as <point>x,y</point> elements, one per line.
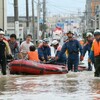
<point>60,25</point>
<point>17,29</point>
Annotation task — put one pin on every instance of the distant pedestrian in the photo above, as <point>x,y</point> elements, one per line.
<point>21,41</point>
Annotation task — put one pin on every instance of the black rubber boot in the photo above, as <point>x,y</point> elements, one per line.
<point>96,74</point>
<point>89,67</point>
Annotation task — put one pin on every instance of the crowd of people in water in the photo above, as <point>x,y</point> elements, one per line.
<point>70,53</point>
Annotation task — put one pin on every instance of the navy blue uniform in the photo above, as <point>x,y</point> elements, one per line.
<point>73,47</point>
<point>2,57</point>
<point>87,47</point>
<point>63,59</point>
<point>44,52</point>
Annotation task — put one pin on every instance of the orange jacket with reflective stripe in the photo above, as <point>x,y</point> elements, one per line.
<point>96,48</point>
<point>33,55</point>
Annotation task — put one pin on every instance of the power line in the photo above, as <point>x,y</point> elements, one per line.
<point>57,7</point>
<point>60,10</point>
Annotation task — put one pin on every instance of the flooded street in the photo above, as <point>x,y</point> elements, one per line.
<point>81,85</point>
<point>71,86</point>
<point>35,34</point>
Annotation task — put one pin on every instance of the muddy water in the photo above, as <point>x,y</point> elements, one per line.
<point>72,86</point>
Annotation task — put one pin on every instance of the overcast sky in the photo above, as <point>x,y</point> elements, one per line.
<point>53,7</point>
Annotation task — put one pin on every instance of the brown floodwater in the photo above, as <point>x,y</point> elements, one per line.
<point>71,86</point>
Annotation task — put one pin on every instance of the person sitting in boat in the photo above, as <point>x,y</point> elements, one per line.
<point>63,59</point>
<point>14,46</point>
<point>33,54</point>
<point>44,51</point>
<point>24,48</point>
<point>40,42</point>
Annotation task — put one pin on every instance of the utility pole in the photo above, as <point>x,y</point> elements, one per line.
<point>38,19</point>
<point>70,22</point>
<point>16,18</point>
<point>44,17</point>
<point>33,23</point>
<point>27,17</point>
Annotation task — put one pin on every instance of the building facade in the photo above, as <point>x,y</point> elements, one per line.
<point>88,14</point>
<point>22,26</point>
<point>97,17</point>
<point>91,15</point>
<point>3,14</point>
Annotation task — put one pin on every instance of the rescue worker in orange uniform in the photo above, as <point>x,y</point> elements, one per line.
<point>95,50</point>
<point>33,54</point>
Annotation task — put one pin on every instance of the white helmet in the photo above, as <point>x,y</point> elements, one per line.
<point>97,32</point>
<point>45,40</point>
<point>2,32</point>
<point>54,42</point>
<point>89,34</point>
<point>40,41</point>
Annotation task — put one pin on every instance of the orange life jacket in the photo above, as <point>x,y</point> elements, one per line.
<point>33,56</point>
<point>96,48</point>
<point>81,42</point>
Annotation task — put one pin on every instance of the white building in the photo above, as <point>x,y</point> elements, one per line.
<point>22,26</point>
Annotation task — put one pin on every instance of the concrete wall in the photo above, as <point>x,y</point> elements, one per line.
<point>90,14</point>
<point>3,14</point>
<point>97,17</point>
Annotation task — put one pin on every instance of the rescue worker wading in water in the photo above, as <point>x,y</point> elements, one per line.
<point>73,47</point>
<point>4,51</point>
<point>95,51</point>
<point>87,47</point>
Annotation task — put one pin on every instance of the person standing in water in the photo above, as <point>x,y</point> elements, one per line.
<point>4,52</point>
<point>95,53</point>
<point>73,47</point>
